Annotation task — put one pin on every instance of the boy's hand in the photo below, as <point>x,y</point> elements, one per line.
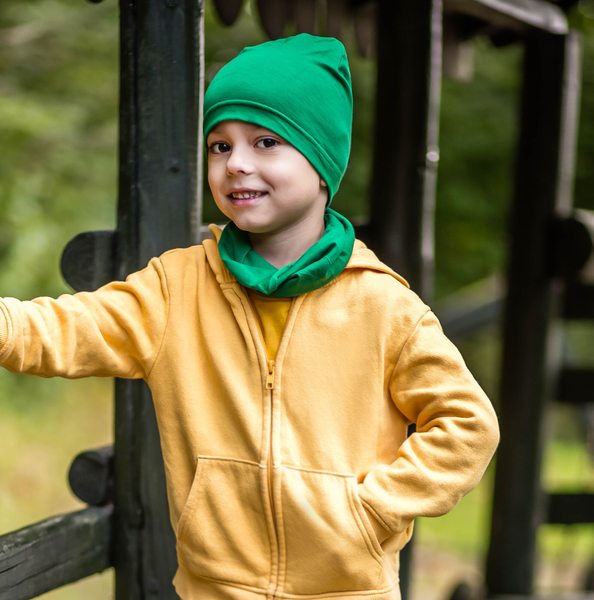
<point>380,533</point>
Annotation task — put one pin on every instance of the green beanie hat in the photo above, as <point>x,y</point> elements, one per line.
<point>299,88</point>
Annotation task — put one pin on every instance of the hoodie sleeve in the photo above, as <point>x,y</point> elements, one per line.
<point>456,433</point>
<point>113,332</point>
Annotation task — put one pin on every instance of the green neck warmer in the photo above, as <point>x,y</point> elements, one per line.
<point>317,267</point>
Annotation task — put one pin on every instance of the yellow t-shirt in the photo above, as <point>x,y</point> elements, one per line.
<point>272,315</point>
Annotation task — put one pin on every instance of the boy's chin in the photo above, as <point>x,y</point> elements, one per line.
<point>252,227</point>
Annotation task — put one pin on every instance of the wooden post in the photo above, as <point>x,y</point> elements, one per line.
<point>406,150</point>
<point>158,210</point>
<point>543,185</point>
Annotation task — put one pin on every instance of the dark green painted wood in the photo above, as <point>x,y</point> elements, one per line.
<point>54,552</point>
<point>406,151</point>
<point>572,245</point>
<point>575,386</point>
<point>157,210</point>
<point>551,68</point>
<point>523,15</point>
<point>578,302</point>
<point>88,260</point>
<point>570,509</point>
<point>91,476</point>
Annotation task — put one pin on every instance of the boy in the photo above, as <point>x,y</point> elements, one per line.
<point>284,359</point>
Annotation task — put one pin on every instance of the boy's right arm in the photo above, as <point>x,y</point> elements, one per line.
<point>113,332</point>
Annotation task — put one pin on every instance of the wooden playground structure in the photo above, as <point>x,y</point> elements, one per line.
<point>126,525</point>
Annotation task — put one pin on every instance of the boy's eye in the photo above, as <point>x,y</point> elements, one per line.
<point>219,148</point>
<point>266,143</point>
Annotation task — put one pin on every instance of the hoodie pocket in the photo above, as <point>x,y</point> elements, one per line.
<point>330,545</point>
<point>222,532</point>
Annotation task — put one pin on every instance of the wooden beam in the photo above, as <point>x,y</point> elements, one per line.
<point>517,15</point>
<point>91,476</point>
<point>88,260</point>
<point>570,509</point>
<point>578,301</point>
<point>54,552</point>
<point>161,87</point>
<point>575,386</point>
<point>550,63</point>
<point>402,202</point>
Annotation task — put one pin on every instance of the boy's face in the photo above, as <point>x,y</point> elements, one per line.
<point>260,181</point>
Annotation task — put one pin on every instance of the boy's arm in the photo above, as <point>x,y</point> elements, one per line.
<point>457,433</point>
<point>115,331</point>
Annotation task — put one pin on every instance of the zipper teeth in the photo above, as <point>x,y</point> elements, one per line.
<point>269,385</point>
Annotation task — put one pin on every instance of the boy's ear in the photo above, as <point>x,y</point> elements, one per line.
<point>323,183</point>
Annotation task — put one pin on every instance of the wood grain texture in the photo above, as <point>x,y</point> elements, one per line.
<point>54,552</point>
<point>158,209</point>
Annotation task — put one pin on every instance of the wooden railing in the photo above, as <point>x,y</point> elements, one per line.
<point>160,176</point>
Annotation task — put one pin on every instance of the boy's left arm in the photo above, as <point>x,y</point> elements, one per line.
<point>456,433</point>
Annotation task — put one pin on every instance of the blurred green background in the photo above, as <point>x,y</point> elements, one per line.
<point>58,177</point>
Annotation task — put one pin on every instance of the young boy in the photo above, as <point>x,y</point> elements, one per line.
<point>285,360</point>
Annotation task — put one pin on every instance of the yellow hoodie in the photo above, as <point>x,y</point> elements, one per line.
<point>270,466</point>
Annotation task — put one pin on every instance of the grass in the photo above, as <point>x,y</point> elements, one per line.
<point>44,424</point>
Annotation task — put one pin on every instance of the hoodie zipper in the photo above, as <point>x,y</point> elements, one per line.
<point>269,387</point>
<point>270,376</point>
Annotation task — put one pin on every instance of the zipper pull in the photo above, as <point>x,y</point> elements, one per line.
<point>270,375</point>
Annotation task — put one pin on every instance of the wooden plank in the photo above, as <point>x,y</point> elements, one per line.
<point>91,476</point>
<point>54,552</point>
<point>578,301</point>
<point>572,245</point>
<point>530,306</point>
<point>402,196</point>
<point>518,15</point>
<point>158,209</point>
<point>88,260</point>
<point>570,509</point>
<point>575,386</point>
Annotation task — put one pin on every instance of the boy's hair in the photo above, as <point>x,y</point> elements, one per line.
<point>299,88</point>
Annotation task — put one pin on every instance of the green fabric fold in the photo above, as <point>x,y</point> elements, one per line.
<point>319,265</point>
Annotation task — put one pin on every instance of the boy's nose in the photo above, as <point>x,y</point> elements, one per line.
<point>239,161</point>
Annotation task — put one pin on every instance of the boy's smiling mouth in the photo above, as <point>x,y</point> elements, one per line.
<point>244,196</point>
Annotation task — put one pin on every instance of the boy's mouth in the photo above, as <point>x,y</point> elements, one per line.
<point>245,195</point>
